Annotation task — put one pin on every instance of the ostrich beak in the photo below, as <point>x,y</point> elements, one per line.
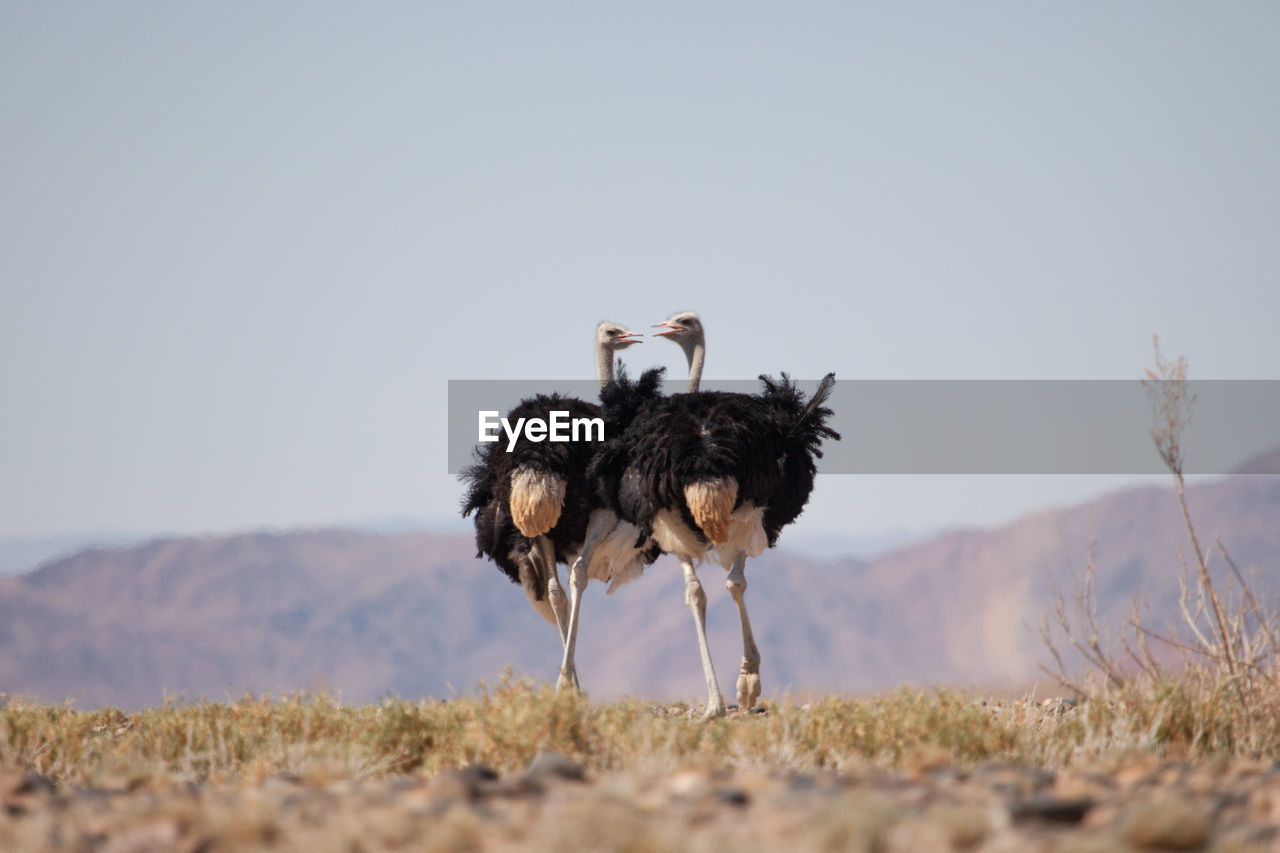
<point>671,328</point>
<point>629,337</point>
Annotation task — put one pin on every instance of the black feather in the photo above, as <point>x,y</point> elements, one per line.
<point>488,478</point>
<point>766,441</point>
<point>488,482</point>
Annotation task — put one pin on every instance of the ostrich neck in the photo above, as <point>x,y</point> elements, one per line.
<point>696,356</point>
<point>604,365</point>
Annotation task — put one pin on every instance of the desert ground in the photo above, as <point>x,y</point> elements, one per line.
<point>521,767</point>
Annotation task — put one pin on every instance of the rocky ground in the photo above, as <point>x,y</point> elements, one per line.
<point>555,805</point>
<point>1134,802</point>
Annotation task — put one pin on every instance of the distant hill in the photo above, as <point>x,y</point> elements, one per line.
<point>415,614</point>
<point>21,555</point>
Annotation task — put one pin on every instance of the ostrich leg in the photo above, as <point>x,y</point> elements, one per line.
<point>598,527</point>
<point>555,592</point>
<point>749,675</point>
<point>697,601</point>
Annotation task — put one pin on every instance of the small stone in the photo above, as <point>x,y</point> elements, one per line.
<point>1171,823</point>
<point>550,764</point>
<point>1072,784</point>
<point>20,789</point>
<point>964,826</point>
<point>1173,774</point>
<point>1104,817</point>
<point>1013,780</point>
<point>1132,775</point>
<point>802,782</point>
<point>1054,809</point>
<point>466,783</point>
<point>949,775</point>
<point>35,783</point>
<point>689,784</point>
<point>1225,800</point>
<point>733,797</point>
<point>160,834</point>
<point>287,781</point>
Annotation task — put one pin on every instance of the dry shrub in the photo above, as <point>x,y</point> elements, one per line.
<point>1209,685</point>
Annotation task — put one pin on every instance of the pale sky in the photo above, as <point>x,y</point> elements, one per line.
<point>243,246</point>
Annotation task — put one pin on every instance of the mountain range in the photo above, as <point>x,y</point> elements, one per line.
<point>366,615</point>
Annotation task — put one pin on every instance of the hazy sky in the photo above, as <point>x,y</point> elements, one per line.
<point>243,246</point>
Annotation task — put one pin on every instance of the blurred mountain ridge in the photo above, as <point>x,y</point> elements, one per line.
<point>413,613</point>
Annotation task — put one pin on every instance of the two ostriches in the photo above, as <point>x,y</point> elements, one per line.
<point>699,474</point>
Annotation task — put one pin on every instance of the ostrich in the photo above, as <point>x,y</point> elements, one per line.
<point>534,503</point>
<point>722,473</point>
<point>615,550</point>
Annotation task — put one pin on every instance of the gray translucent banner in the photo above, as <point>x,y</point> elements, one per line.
<point>971,426</point>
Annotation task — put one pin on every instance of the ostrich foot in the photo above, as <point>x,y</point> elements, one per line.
<point>568,681</point>
<point>748,685</point>
<point>715,709</point>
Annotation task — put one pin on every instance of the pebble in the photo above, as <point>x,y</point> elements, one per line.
<point>35,783</point>
<point>466,783</point>
<point>733,796</point>
<point>1051,808</point>
<point>1168,822</point>
<point>550,764</point>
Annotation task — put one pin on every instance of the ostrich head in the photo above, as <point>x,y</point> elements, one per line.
<point>685,329</point>
<point>611,338</point>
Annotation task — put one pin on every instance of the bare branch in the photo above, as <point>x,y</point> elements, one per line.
<point>1269,629</point>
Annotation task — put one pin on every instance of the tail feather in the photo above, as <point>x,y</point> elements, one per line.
<point>711,503</point>
<point>804,425</point>
<point>811,427</point>
<point>807,423</point>
<point>537,498</point>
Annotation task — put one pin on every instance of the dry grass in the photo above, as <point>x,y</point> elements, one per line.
<point>318,740</point>
<point>905,771</point>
